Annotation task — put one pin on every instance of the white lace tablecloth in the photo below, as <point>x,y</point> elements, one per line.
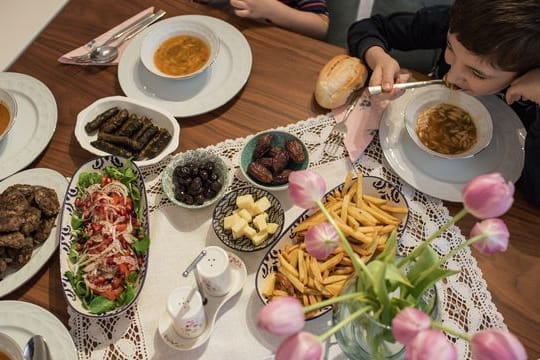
<point>178,235</point>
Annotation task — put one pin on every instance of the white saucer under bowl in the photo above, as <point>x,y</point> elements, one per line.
<point>200,94</point>
<point>444,178</point>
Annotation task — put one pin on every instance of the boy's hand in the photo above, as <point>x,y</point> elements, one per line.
<point>254,9</point>
<point>385,68</point>
<point>525,87</point>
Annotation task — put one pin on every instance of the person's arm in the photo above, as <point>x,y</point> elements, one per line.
<point>371,39</point>
<point>525,87</point>
<point>523,95</point>
<point>425,29</point>
<point>529,182</point>
<point>303,22</point>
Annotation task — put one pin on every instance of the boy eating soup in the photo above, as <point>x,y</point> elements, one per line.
<point>488,47</point>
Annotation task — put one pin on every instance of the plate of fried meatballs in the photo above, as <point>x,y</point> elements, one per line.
<point>29,206</point>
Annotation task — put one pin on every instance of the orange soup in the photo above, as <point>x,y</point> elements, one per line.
<point>3,355</point>
<point>446,129</point>
<point>181,55</point>
<point>4,118</point>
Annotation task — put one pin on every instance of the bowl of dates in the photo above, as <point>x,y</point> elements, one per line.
<point>195,179</point>
<point>269,157</point>
<point>128,128</point>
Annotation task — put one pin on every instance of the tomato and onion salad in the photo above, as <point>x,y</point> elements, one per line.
<point>109,242</point>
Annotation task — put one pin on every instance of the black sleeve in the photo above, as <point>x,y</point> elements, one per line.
<point>529,183</point>
<point>425,29</point>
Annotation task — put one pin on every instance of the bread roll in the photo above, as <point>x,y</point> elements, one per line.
<point>338,79</point>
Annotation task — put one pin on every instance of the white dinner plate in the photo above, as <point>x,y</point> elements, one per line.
<point>41,254</point>
<point>200,94</point>
<point>35,123</point>
<point>21,320</point>
<point>444,178</point>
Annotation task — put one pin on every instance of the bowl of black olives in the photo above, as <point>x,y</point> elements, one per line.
<point>195,179</point>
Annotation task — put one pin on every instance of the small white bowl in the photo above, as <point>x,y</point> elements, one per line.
<point>162,31</point>
<point>9,347</point>
<point>159,117</point>
<point>9,102</point>
<point>438,94</point>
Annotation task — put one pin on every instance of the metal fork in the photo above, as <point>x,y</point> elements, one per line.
<point>335,140</point>
<point>337,134</point>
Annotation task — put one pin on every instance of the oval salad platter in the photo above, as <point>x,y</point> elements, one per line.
<point>104,237</point>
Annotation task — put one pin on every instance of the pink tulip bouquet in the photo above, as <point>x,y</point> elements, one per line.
<point>390,289</point>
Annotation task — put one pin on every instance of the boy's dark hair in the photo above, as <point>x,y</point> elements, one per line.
<point>506,32</point>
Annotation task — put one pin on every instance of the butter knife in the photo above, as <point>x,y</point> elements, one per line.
<point>127,29</point>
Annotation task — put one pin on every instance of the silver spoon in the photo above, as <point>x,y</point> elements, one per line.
<point>107,53</point>
<point>377,89</point>
<point>36,349</point>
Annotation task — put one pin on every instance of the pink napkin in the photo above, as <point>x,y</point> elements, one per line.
<point>362,122</point>
<point>102,38</point>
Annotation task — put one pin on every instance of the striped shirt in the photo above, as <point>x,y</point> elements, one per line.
<point>314,6</point>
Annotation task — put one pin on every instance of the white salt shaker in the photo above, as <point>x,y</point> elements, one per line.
<point>187,311</point>
<point>214,271</point>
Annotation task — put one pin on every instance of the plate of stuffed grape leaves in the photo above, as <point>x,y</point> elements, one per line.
<point>128,128</point>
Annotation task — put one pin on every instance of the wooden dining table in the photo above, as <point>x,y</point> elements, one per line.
<point>279,91</point>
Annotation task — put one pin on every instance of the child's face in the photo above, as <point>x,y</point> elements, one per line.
<point>473,73</point>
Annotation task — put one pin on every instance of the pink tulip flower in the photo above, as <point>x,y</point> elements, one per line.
<point>300,346</point>
<point>321,240</point>
<point>497,236</point>
<point>282,316</point>
<point>306,187</point>
<point>496,344</point>
<point>408,323</point>
<point>488,196</point>
<point>430,344</point>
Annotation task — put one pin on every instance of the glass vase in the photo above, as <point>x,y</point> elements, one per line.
<point>367,338</point>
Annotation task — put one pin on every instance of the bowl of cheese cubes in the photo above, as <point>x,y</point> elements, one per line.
<point>248,219</point>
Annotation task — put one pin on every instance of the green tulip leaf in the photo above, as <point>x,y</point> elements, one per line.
<point>388,255</point>
<point>395,276</point>
<point>426,260</point>
<point>400,303</point>
<point>429,280</point>
<point>379,271</point>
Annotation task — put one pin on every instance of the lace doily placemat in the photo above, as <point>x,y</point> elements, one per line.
<point>178,234</point>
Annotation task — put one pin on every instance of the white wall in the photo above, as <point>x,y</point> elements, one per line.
<point>20,22</point>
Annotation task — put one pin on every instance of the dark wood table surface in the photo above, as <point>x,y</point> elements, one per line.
<point>279,92</point>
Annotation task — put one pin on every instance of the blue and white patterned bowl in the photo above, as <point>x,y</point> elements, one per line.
<point>196,156</point>
<point>371,185</point>
<point>65,237</point>
<point>227,205</point>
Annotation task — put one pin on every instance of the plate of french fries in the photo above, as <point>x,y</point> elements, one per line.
<point>366,208</point>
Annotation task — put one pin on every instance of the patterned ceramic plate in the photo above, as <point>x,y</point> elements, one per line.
<point>372,185</point>
<point>227,205</point>
<point>198,157</point>
<point>65,234</point>
<point>13,278</point>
